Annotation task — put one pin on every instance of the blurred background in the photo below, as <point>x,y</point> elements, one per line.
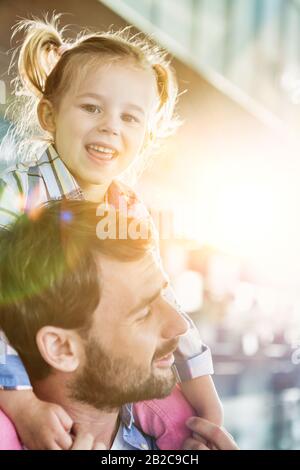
<point>224,191</point>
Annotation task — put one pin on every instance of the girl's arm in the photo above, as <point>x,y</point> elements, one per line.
<point>202,395</point>
<point>40,425</point>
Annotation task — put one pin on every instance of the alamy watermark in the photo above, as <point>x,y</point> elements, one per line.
<point>2,92</point>
<point>179,222</point>
<point>296,353</point>
<point>119,224</point>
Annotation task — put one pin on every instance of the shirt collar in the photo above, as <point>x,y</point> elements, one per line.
<point>59,181</point>
<point>127,415</point>
<point>131,435</point>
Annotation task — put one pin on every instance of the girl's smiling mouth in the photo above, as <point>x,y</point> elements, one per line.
<point>101,152</point>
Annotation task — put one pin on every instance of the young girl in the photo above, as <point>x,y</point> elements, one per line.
<point>100,102</point>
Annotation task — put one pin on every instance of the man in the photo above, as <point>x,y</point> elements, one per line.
<point>89,320</point>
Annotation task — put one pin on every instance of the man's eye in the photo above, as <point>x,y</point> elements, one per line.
<point>92,108</point>
<point>130,118</point>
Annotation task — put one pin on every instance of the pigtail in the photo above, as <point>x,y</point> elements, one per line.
<point>37,56</point>
<point>168,94</point>
<point>39,53</point>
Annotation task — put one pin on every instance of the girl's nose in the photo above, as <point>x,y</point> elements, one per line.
<point>109,130</point>
<point>109,125</point>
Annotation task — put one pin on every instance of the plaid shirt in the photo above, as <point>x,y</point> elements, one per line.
<point>22,188</point>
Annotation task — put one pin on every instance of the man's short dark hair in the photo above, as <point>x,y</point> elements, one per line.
<point>48,273</point>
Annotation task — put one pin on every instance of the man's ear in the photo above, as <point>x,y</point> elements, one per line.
<point>60,348</point>
<point>46,115</point>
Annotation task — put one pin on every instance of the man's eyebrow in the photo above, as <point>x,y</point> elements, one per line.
<point>144,302</point>
<point>101,97</point>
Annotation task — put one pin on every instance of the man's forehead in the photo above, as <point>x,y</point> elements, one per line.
<point>124,285</point>
<point>145,267</point>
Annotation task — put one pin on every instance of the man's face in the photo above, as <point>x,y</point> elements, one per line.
<point>128,354</point>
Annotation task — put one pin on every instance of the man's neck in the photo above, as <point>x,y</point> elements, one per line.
<point>102,425</point>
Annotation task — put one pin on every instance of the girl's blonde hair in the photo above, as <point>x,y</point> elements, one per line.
<point>48,64</point>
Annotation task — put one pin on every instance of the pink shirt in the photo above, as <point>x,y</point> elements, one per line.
<point>9,439</point>
<point>165,419</point>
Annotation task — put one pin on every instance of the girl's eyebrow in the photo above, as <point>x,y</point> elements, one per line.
<point>91,95</point>
<point>101,97</point>
<point>136,107</point>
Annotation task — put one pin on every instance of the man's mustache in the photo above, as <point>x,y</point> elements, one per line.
<point>166,350</point>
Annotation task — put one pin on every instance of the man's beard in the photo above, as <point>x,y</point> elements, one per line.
<point>108,383</point>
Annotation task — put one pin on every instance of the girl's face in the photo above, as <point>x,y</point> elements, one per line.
<point>101,123</point>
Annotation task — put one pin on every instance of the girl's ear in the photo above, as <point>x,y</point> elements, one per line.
<point>46,115</point>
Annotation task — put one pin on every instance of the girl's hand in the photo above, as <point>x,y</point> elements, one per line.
<point>40,425</point>
<point>85,441</point>
<point>208,436</point>
<point>45,426</point>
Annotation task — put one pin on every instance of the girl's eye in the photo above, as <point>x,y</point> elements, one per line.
<point>92,108</point>
<point>130,118</point>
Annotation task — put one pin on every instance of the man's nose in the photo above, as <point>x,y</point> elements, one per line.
<point>174,323</point>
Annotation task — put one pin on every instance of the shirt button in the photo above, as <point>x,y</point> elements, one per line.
<point>144,446</point>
